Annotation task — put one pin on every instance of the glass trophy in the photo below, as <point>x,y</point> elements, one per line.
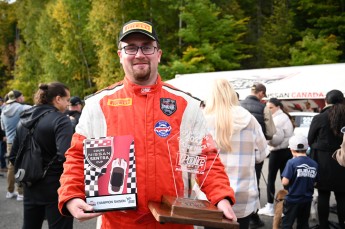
<point>192,152</point>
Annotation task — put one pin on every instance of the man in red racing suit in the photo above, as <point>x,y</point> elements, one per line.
<point>152,112</point>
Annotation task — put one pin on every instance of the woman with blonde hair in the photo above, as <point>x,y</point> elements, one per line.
<point>242,144</point>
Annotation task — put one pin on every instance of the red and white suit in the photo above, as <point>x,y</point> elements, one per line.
<point>129,109</point>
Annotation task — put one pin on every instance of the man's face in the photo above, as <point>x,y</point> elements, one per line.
<point>75,107</point>
<point>140,68</point>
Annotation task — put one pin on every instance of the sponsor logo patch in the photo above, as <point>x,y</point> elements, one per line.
<point>120,102</point>
<point>137,25</point>
<point>162,129</point>
<point>168,106</point>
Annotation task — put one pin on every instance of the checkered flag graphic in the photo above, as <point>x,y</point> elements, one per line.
<point>131,179</point>
<point>91,179</point>
<point>91,173</point>
<point>92,143</point>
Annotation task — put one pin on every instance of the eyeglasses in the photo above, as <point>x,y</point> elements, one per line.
<point>133,49</point>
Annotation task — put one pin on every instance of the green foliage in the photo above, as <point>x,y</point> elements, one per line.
<point>28,71</point>
<point>7,44</point>
<point>213,43</point>
<point>313,50</point>
<point>104,26</point>
<point>322,19</point>
<point>75,41</point>
<point>273,48</point>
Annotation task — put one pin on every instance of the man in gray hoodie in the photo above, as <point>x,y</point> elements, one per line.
<point>9,119</point>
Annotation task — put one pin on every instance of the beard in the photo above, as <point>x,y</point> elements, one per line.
<point>142,74</point>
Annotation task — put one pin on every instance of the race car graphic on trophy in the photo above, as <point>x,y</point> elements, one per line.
<point>109,171</point>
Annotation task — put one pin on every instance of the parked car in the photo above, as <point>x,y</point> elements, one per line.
<point>302,121</point>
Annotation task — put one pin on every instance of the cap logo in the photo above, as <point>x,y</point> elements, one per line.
<point>137,25</point>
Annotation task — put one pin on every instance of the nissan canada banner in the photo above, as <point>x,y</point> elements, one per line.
<point>300,82</point>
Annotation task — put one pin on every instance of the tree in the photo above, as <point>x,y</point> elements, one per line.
<point>322,19</point>
<point>104,24</point>
<point>311,50</point>
<point>273,45</point>
<point>7,44</point>
<point>68,52</point>
<point>28,66</point>
<point>211,43</point>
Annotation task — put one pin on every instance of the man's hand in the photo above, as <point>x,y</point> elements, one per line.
<point>225,206</point>
<point>77,207</point>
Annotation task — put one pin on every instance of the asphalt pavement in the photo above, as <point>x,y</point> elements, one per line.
<point>11,210</point>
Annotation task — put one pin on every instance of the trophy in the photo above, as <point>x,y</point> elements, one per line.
<point>192,153</point>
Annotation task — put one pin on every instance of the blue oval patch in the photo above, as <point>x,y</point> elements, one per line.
<point>162,129</point>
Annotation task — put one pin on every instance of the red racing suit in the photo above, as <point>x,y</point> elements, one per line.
<point>129,109</point>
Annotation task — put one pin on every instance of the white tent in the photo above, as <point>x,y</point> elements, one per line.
<point>301,82</point>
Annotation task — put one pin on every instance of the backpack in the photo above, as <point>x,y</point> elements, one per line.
<point>28,165</point>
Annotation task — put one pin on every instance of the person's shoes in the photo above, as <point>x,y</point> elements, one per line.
<point>20,197</point>
<point>267,210</point>
<point>255,221</point>
<point>10,195</point>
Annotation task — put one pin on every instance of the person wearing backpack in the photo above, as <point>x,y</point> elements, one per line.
<point>52,130</point>
<point>10,115</point>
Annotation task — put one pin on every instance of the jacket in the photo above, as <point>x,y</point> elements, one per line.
<point>323,143</point>
<point>284,129</point>
<point>152,115</point>
<point>10,117</point>
<point>256,108</point>
<point>74,117</point>
<point>249,147</point>
<point>53,133</point>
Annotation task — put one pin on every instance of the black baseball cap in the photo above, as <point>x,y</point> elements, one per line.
<point>75,100</point>
<point>136,26</point>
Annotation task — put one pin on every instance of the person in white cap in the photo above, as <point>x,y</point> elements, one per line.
<point>299,176</point>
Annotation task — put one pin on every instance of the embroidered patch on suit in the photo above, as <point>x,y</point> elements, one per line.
<point>168,106</point>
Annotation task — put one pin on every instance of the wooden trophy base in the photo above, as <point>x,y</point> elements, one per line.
<point>188,211</point>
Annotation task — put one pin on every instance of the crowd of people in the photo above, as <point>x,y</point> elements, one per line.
<point>53,134</point>
<point>244,132</point>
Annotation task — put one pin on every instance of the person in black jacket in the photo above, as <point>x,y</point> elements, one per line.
<point>74,110</point>
<point>324,138</point>
<point>53,133</point>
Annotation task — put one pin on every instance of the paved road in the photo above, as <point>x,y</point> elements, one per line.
<point>11,213</point>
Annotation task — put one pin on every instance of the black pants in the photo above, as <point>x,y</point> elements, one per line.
<point>277,161</point>
<point>258,169</point>
<point>35,214</point>
<point>323,207</point>
<point>299,211</point>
